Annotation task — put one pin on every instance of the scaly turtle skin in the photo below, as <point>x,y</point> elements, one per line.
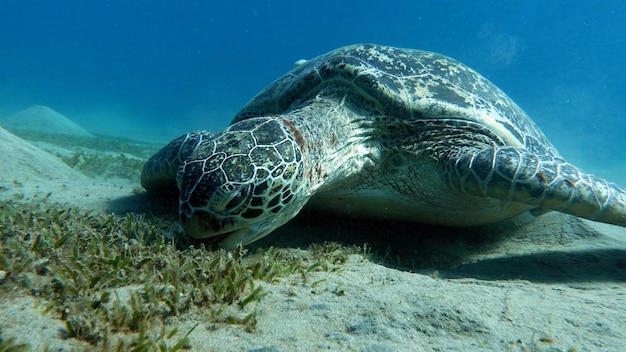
<point>374,131</point>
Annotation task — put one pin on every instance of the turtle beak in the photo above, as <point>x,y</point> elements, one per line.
<point>242,236</point>
<point>231,239</point>
<point>227,236</point>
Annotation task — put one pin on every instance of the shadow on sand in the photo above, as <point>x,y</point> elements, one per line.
<point>552,248</point>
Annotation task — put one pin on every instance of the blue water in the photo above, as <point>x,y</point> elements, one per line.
<point>160,68</point>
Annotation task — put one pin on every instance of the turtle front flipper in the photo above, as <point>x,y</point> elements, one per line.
<point>519,176</point>
<point>159,173</point>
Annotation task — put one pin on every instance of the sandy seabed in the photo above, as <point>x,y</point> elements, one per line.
<point>554,283</point>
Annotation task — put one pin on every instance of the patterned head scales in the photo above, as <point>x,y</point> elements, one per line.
<point>243,183</point>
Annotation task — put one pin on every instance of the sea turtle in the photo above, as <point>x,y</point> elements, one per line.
<point>374,131</point>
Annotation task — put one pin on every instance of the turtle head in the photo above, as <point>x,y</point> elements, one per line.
<point>243,183</point>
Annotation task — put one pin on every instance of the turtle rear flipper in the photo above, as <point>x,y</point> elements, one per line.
<point>517,175</point>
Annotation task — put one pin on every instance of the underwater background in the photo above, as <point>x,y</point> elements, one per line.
<point>152,70</point>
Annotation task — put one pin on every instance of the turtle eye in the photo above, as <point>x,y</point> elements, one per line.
<point>230,197</point>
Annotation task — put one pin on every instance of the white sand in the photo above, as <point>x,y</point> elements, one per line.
<point>557,279</point>
<point>42,118</point>
<point>31,174</point>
